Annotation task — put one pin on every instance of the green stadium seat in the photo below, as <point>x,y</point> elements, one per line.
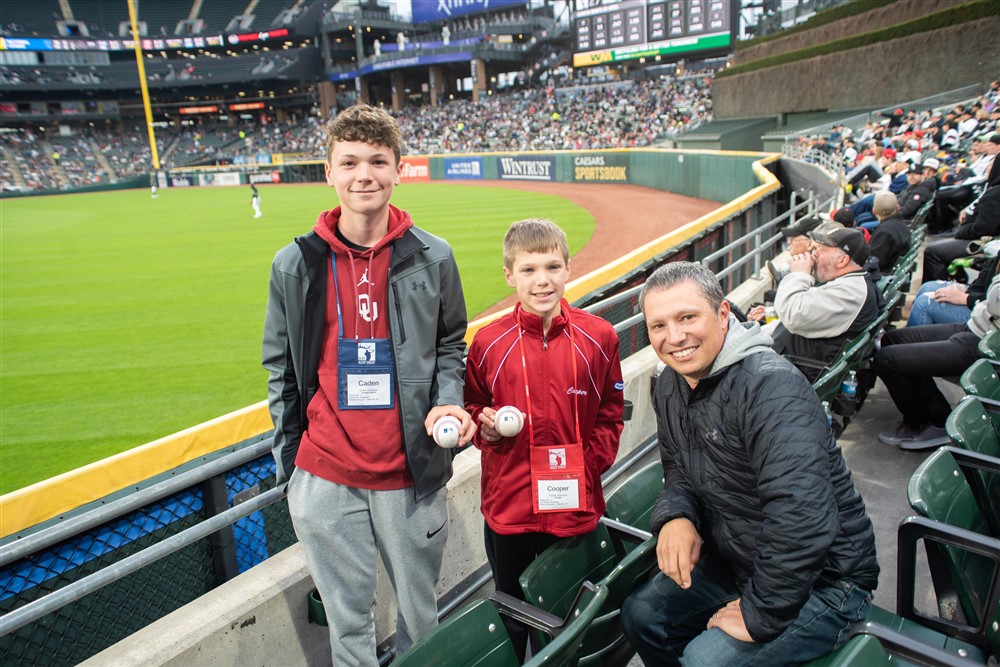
<point>475,636</point>
<point>550,580</point>
<point>980,379</point>
<point>964,564</point>
<point>827,385</point>
<point>861,651</point>
<point>972,426</point>
<point>632,501</point>
<point>989,345</point>
<point>963,558</point>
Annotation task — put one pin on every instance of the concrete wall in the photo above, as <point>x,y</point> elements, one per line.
<point>260,617</point>
<point>900,11</point>
<point>882,74</point>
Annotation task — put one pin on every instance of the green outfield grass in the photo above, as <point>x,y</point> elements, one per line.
<point>124,319</point>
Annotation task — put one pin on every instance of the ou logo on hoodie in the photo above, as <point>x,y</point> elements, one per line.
<point>367,308</point>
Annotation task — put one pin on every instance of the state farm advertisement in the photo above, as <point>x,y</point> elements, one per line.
<point>415,169</point>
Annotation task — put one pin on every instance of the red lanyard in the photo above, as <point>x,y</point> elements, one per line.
<point>527,391</point>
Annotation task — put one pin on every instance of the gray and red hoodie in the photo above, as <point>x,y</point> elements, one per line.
<point>358,448</point>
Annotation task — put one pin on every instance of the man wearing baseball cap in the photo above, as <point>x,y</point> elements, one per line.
<point>827,299</point>
<point>917,194</point>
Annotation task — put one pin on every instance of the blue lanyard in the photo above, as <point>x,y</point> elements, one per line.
<point>336,292</point>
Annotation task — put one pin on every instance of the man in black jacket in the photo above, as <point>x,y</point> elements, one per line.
<point>983,219</point>
<point>919,191</point>
<point>891,239</point>
<point>765,549</point>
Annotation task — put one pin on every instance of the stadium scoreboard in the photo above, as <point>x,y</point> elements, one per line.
<point>608,31</point>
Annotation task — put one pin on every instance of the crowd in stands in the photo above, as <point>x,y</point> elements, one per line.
<point>626,115</point>
<point>26,154</point>
<point>913,170</point>
<point>618,115</point>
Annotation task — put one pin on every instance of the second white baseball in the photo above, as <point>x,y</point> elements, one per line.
<point>508,421</point>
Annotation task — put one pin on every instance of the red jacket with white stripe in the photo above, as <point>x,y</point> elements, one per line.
<point>495,378</point>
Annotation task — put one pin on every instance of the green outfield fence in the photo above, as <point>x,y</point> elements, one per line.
<point>78,581</point>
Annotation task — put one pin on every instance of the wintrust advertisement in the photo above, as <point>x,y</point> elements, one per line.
<point>519,168</point>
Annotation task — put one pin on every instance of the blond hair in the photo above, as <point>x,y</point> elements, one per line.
<point>533,235</point>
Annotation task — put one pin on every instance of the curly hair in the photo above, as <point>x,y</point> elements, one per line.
<point>365,123</point>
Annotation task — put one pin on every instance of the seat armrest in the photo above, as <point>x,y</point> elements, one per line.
<point>911,530</point>
<point>898,644</point>
<point>526,614</point>
<point>969,462</point>
<point>624,531</point>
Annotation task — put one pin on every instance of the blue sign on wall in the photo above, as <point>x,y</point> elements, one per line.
<point>444,10</point>
<point>462,168</point>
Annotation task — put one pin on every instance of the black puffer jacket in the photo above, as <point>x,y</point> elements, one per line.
<point>750,459</point>
<point>913,197</point>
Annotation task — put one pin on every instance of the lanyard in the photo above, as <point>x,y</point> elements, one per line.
<point>527,391</point>
<point>336,291</point>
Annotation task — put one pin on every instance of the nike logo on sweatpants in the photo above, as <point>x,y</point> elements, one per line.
<point>431,534</point>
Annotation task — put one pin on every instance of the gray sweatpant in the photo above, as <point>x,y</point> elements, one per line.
<point>340,528</point>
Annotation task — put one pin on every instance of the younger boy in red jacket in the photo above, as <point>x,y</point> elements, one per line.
<point>559,366</point>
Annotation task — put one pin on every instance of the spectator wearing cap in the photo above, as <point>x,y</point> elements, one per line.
<point>798,234</point>
<point>912,152</point>
<point>827,298</point>
<point>897,170</point>
<point>850,153</point>
<point>917,194</point>
<point>891,238</point>
<point>967,124</point>
<point>895,119</point>
<point>950,138</point>
<point>909,360</point>
<point>931,167</point>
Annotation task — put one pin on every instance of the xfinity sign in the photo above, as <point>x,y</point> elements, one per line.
<point>437,10</point>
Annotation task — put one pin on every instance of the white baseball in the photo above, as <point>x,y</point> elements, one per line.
<point>446,431</point>
<point>508,421</point>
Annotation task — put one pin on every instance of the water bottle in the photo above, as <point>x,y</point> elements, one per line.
<point>849,389</point>
<point>829,415</point>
